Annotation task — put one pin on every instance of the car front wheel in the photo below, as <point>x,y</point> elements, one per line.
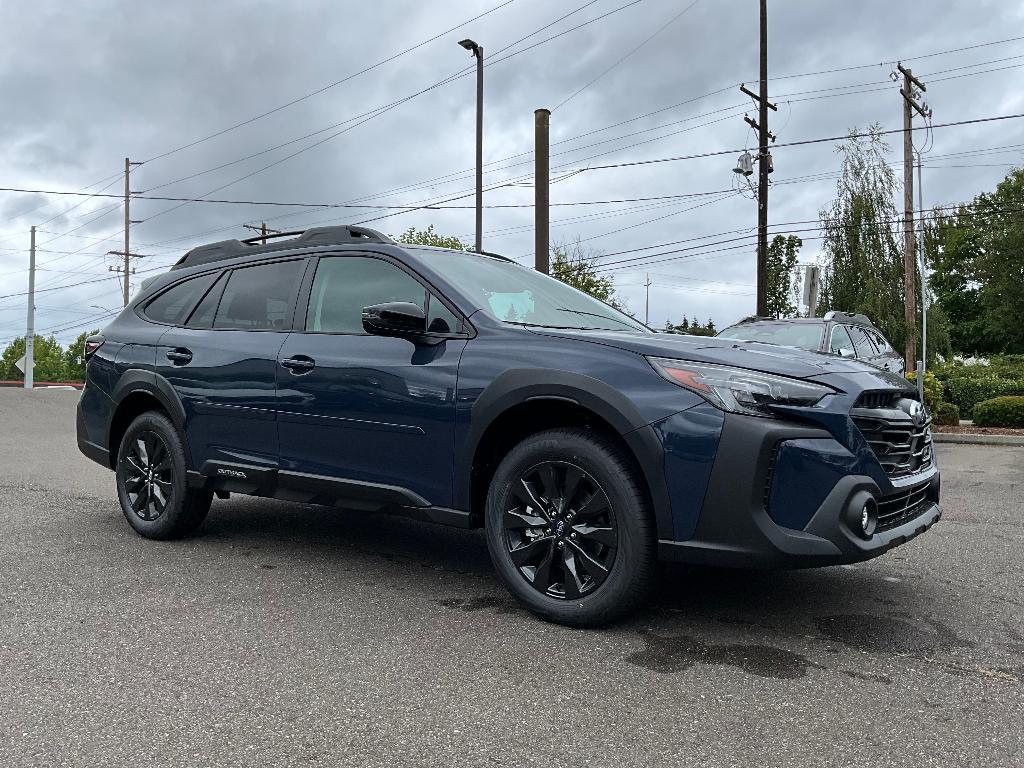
<point>569,529</point>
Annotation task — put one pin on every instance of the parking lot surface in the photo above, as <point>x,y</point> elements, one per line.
<point>295,635</point>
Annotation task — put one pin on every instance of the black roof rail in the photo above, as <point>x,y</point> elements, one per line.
<point>229,249</point>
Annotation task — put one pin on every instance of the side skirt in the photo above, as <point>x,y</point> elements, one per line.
<point>225,477</point>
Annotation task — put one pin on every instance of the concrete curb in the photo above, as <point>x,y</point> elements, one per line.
<point>947,437</point>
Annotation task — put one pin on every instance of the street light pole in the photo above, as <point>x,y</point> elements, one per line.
<point>478,52</point>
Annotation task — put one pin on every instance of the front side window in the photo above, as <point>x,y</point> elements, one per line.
<point>260,298</point>
<point>840,342</point>
<point>344,285</point>
<point>174,305</point>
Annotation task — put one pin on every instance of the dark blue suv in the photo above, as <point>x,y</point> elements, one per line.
<point>339,367</point>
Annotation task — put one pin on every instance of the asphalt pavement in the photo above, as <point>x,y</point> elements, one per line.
<point>286,635</point>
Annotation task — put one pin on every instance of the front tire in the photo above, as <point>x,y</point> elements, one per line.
<point>569,528</point>
<point>151,481</point>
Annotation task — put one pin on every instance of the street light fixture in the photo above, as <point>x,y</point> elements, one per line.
<point>478,52</point>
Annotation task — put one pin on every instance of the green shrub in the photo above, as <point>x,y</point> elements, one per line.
<point>968,392</point>
<point>932,389</point>
<point>946,414</point>
<point>999,367</point>
<point>1000,412</point>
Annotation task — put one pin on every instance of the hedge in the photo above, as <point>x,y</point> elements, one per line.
<point>946,414</point>
<point>968,392</point>
<point>1000,412</point>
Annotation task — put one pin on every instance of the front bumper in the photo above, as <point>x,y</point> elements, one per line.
<point>735,528</point>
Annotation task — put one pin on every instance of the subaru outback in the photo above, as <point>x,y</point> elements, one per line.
<point>338,367</point>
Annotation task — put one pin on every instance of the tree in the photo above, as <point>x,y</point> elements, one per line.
<point>74,358</point>
<point>976,271</point>
<point>428,236</point>
<point>863,256</point>
<point>692,328</point>
<point>577,266</point>
<point>47,354</point>
<point>781,261</point>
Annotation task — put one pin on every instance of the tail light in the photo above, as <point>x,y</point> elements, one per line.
<point>92,344</point>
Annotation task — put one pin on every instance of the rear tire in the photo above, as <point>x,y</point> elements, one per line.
<point>151,481</point>
<point>569,528</point>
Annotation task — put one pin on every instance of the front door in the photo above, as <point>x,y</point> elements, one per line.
<point>376,414</point>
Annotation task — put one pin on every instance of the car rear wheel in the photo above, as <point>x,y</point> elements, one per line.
<point>569,529</point>
<point>151,481</point>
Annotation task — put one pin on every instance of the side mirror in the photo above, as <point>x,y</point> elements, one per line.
<point>396,318</point>
<point>845,352</point>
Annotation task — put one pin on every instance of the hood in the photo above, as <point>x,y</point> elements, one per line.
<point>753,355</point>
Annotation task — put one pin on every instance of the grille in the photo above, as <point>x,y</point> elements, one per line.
<point>899,508</point>
<point>901,446</point>
<point>890,399</point>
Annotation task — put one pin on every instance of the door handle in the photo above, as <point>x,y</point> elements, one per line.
<point>180,356</point>
<point>299,364</point>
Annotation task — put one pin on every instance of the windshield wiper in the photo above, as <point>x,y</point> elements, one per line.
<point>595,314</point>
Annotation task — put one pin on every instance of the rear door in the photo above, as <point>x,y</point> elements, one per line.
<point>223,363</point>
<point>374,415</point>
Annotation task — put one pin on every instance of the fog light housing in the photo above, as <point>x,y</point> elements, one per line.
<point>862,514</point>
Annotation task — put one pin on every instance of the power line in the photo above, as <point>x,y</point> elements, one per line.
<point>798,143</point>
<point>646,40</point>
<point>329,86</point>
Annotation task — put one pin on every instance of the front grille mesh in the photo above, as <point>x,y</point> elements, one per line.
<point>901,446</point>
<point>897,509</point>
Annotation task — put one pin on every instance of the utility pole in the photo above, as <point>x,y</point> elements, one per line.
<point>30,330</point>
<point>647,300</point>
<point>764,167</point>
<point>924,286</point>
<point>762,173</point>
<point>263,229</point>
<point>127,252</point>
<point>909,244</point>
<point>478,51</point>
<point>541,191</point>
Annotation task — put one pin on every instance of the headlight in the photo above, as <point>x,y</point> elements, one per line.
<point>739,390</point>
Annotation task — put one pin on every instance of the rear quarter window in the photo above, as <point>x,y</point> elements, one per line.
<point>175,304</point>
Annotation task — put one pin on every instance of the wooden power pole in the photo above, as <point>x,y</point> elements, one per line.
<point>909,242</point>
<point>127,252</point>
<point>762,172</point>
<point>264,230</point>
<point>764,164</point>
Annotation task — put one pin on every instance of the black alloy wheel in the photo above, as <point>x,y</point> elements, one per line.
<point>152,484</point>
<point>149,475</point>
<point>560,530</point>
<point>569,527</point>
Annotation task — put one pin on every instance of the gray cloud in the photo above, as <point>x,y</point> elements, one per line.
<point>85,84</point>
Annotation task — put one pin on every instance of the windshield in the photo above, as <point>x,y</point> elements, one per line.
<point>799,335</point>
<point>520,295</point>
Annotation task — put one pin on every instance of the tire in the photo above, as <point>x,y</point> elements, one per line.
<point>158,505</point>
<point>558,550</point>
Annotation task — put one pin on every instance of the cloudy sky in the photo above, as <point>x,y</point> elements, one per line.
<point>82,85</point>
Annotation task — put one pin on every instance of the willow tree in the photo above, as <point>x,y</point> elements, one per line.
<point>862,246</point>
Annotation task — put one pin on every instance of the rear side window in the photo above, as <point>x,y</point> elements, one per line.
<point>174,305</point>
<point>344,285</point>
<point>861,342</point>
<point>880,342</point>
<point>260,298</point>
